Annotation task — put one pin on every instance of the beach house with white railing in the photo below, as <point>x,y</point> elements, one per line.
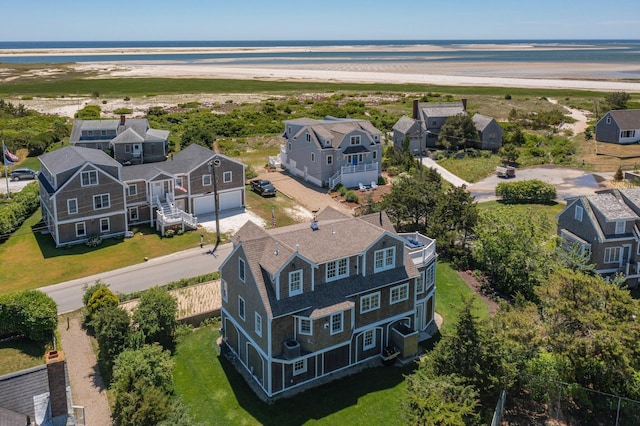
<point>332,151</point>
<point>85,193</point>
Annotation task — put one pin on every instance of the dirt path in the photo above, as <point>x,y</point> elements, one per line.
<point>578,126</point>
<point>87,387</point>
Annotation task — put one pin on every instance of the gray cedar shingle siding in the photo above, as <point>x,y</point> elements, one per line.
<point>489,132</point>
<point>610,127</point>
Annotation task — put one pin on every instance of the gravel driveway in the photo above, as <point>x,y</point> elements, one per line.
<point>14,186</point>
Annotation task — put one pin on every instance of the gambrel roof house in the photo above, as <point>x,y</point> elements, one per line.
<point>619,126</point>
<point>332,151</point>
<point>85,193</point>
<point>605,225</point>
<point>423,127</point>
<point>132,141</point>
<point>305,301</point>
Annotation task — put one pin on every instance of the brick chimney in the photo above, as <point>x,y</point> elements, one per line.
<point>415,109</point>
<point>464,104</point>
<point>56,367</point>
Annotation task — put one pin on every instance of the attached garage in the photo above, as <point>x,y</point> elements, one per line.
<point>207,204</point>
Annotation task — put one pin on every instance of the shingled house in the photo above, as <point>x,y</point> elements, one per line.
<point>619,126</point>
<point>131,141</point>
<point>304,301</point>
<point>605,226</point>
<point>85,193</point>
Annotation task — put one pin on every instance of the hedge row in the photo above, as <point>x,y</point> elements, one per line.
<point>526,191</point>
<point>28,313</point>
<point>22,205</point>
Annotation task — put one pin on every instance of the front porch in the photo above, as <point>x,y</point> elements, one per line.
<point>350,176</point>
<point>168,216</point>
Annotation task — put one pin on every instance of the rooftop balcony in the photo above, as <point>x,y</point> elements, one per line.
<point>421,248</point>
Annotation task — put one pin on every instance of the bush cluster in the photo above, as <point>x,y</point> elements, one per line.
<point>526,191</point>
<point>28,313</point>
<point>22,205</point>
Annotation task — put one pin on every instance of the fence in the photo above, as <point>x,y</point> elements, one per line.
<point>497,414</point>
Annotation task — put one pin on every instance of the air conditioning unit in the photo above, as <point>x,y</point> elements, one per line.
<point>291,349</point>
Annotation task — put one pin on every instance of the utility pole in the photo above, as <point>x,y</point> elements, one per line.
<point>211,166</point>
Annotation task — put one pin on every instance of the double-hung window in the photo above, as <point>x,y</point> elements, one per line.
<point>258,324</point>
<point>620,226</point>
<point>304,326</point>
<point>578,215</point>
<point>241,308</point>
<point>355,140</point>
<point>101,201</point>
<point>133,190</point>
<point>337,269</point>
<point>295,282</point>
<point>370,302</point>
<point>399,293</point>
<point>206,180</point>
<point>72,205</point>
<point>81,231</point>
<point>224,291</point>
<point>227,176</point>
<point>104,224</point>
<point>384,259</point>
<point>89,178</point>
<point>336,323</point>
<point>420,283</point>
<point>241,269</point>
<point>612,255</point>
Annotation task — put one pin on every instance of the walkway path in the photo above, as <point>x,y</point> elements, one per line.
<point>446,174</point>
<point>87,387</point>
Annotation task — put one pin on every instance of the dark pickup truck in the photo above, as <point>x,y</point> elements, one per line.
<point>263,187</point>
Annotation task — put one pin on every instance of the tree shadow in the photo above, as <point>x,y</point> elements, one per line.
<point>49,250</point>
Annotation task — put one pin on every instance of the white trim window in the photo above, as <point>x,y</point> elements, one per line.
<point>242,271</point>
<point>127,148</point>
<point>620,225</point>
<point>132,190</point>
<point>578,215</point>
<point>430,275</point>
<point>241,308</point>
<point>258,324</point>
<point>300,367</point>
<point>329,160</point>
<point>305,326</point>
<point>370,302</point>
<point>227,177</point>
<point>355,140</point>
<point>101,201</point>
<point>384,259</point>
<point>313,157</point>
<point>308,137</point>
<point>336,322</point>
<point>612,255</point>
<point>295,282</point>
<point>89,178</point>
<point>399,293</point>
<point>72,205</point>
<point>224,289</point>
<point>206,180</point>
<point>133,213</point>
<point>104,225</point>
<point>369,339</point>
<point>81,230</point>
<point>338,269</point>
<point>420,283</point>
<point>608,120</point>
<point>375,155</point>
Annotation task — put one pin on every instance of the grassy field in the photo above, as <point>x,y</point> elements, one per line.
<point>20,354</point>
<point>471,169</point>
<point>213,389</point>
<point>551,210</point>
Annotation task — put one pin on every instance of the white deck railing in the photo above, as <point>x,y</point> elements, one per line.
<point>421,248</point>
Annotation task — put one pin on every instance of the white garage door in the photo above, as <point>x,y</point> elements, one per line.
<point>230,200</point>
<point>203,205</point>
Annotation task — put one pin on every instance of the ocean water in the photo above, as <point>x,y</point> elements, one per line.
<point>546,51</point>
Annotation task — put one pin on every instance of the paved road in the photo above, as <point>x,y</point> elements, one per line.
<point>154,272</point>
<point>446,174</point>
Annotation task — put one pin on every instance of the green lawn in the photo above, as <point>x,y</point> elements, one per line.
<point>551,210</point>
<point>19,354</point>
<point>471,169</point>
<point>29,259</point>
<point>216,393</point>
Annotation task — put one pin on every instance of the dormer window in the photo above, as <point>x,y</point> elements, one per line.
<point>337,269</point>
<point>609,120</point>
<point>355,140</point>
<point>384,259</point>
<point>295,282</point>
<point>620,226</point>
<point>579,213</point>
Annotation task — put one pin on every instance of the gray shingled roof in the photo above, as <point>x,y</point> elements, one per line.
<point>128,136</point>
<point>441,109</point>
<point>338,236</point>
<point>332,128</point>
<point>404,124</point>
<point>627,119</point>
<point>18,389</point>
<point>73,156</point>
<point>481,121</point>
<point>611,207</point>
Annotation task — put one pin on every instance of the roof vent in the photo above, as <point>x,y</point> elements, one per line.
<point>276,252</point>
<point>314,224</point>
<point>297,247</point>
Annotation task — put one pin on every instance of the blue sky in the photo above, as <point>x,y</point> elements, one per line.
<point>37,20</point>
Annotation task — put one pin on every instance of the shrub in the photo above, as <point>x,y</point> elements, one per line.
<point>507,96</point>
<point>351,197</point>
<point>170,233</point>
<point>94,241</point>
<point>30,313</point>
<point>100,299</point>
<point>526,191</point>
<point>22,205</point>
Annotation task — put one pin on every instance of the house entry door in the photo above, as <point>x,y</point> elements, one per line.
<point>420,316</point>
<point>156,190</point>
<point>137,150</point>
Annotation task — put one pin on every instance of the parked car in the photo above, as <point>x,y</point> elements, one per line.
<point>18,174</point>
<point>263,187</point>
<point>506,172</point>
